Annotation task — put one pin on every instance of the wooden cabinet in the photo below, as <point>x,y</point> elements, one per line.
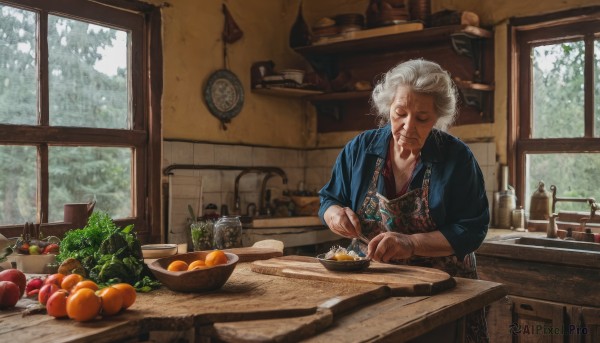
<point>465,51</point>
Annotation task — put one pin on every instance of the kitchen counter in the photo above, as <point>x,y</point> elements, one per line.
<point>259,307</point>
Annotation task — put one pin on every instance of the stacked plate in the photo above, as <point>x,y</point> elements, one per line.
<point>325,27</point>
<point>420,10</point>
<point>350,22</point>
<point>387,12</point>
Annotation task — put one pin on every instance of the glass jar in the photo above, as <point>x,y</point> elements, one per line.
<point>228,232</point>
<point>202,235</point>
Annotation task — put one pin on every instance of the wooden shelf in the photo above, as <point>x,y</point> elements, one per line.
<point>474,86</point>
<point>287,92</point>
<point>340,96</point>
<point>394,41</point>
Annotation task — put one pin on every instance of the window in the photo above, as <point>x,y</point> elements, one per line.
<point>76,119</point>
<point>555,105</point>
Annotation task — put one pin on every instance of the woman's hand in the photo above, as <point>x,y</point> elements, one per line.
<point>389,246</point>
<point>343,221</point>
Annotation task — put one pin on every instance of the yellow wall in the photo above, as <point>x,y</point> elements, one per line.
<point>193,50</point>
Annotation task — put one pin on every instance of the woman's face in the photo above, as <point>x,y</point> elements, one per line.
<point>412,116</point>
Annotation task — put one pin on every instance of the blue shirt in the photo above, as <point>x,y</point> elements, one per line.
<point>457,199</point>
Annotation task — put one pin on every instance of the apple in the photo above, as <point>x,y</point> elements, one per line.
<point>46,291</point>
<point>32,285</point>
<point>16,276</point>
<point>51,248</point>
<point>9,294</point>
<point>55,279</point>
<point>34,250</point>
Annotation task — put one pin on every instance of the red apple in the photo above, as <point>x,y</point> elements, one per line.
<point>9,294</point>
<point>16,276</point>
<point>52,248</point>
<point>33,284</point>
<point>46,291</point>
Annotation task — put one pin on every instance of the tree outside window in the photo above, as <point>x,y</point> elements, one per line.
<point>74,118</point>
<point>557,106</point>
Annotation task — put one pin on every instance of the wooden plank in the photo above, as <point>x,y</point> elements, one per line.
<point>402,280</point>
<point>245,296</point>
<point>532,279</point>
<point>395,319</point>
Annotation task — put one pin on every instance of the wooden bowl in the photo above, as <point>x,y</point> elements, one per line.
<point>194,281</point>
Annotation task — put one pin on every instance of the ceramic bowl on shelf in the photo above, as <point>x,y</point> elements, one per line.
<point>158,250</point>
<point>295,75</point>
<point>193,281</point>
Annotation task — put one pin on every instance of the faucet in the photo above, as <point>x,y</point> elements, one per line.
<point>236,191</point>
<point>591,201</point>
<point>263,191</point>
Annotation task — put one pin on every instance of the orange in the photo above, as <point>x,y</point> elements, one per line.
<point>215,258</point>
<point>70,281</point>
<point>199,264</point>
<point>177,266</point>
<point>56,306</point>
<point>83,305</point>
<point>128,293</point>
<point>85,284</point>
<point>112,300</point>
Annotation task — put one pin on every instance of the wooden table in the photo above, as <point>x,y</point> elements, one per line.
<point>257,307</point>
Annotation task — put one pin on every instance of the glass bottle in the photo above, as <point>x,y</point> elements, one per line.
<point>228,233</point>
<point>300,33</point>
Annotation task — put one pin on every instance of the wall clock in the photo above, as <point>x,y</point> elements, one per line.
<point>224,95</point>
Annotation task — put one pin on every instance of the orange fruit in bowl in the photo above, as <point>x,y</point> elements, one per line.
<point>83,305</point>
<point>198,264</point>
<point>85,284</point>
<point>112,300</point>
<point>215,258</point>
<point>177,266</point>
<point>70,281</point>
<point>128,293</point>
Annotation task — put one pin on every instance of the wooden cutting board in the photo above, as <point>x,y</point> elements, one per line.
<point>402,280</point>
<point>250,254</point>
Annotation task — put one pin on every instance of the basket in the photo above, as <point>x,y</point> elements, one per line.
<point>306,205</point>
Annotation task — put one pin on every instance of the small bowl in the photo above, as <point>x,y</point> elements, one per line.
<point>295,75</point>
<point>343,266</point>
<point>32,264</point>
<point>158,250</point>
<point>193,281</point>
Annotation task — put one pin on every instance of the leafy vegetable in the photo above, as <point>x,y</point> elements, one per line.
<point>109,254</point>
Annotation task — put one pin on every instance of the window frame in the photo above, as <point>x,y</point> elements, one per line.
<point>524,34</point>
<point>143,21</point>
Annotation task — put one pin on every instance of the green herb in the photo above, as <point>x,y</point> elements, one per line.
<point>109,254</point>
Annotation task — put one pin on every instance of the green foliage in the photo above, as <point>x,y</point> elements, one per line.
<point>79,96</point>
<point>108,254</point>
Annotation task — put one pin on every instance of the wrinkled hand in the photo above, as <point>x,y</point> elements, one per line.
<point>343,221</point>
<point>389,246</point>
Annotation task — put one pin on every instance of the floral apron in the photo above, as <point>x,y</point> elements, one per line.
<point>409,214</point>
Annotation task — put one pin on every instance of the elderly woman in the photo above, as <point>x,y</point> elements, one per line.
<point>414,191</point>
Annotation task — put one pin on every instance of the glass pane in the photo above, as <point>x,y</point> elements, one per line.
<point>18,66</point>
<point>558,96</point>
<point>83,174</point>
<point>597,89</point>
<point>574,175</point>
<point>18,184</point>
<point>88,75</point>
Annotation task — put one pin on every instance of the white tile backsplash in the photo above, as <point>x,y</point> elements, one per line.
<point>313,167</point>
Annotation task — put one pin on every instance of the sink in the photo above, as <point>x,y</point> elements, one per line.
<point>540,267</point>
<point>556,243</point>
